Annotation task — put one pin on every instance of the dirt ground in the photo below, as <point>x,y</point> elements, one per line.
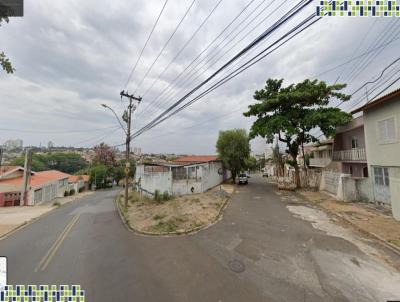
<point>370,218</point>
<point>179,214</point>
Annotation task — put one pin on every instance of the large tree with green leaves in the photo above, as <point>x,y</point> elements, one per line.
<point>233,148</point>
<point>291,112</point>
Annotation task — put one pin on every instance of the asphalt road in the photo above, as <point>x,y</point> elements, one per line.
<point>259,251</point>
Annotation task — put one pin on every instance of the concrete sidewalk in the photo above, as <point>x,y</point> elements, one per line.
<point>371,219</point>
<point>12,218</point>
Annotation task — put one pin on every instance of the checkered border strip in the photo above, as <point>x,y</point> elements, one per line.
<point>361,8</point>
<point>42,293</point>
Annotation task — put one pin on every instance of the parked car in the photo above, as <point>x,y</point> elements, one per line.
<point>265,174</point>
<point>243,179</point>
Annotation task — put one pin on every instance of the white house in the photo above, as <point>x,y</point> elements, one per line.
<point>382,144</point>
<point>187,175</point>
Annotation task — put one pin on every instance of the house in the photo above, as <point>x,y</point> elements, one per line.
<point>43,186</point>
<point>349,149</point>
<point>382,144</point>
<point>320,154</point>
<point>76,183</point>
<point>186,175</point>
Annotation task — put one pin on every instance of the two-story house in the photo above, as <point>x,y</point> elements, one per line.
<point>349,149</point>
<point>382,144</point>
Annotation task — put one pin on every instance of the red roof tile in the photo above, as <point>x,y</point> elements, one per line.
<point>39,178</point>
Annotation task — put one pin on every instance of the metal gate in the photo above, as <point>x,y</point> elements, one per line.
<point>381,184</point>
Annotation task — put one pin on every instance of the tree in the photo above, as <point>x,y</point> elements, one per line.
<point>4,61</point>
<point>104,155</point>
<point>291,112</point>
<point>118,171</point>
<point>64,162</point>
<point>251,163</point>
<point>233,147</point>
<point>98,175</point>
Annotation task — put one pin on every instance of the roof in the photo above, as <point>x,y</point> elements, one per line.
<point>197,159</point>
<point>85,178</point>
<point>39,178</point>
<point>387,97</point>
<point>74,178</point>
<point>8,169</point>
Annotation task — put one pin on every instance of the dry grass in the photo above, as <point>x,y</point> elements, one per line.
<point>180,214</point>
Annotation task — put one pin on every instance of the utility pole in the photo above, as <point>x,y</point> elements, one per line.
<point>27,175</point>
<point>127,117</point>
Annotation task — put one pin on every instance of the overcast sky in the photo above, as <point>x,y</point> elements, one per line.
<point>72,56</point>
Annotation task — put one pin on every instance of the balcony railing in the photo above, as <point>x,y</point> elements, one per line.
<point>350,155</point>
<point>320,162</point>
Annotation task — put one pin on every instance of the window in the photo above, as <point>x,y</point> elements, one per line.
<point>387,130</point>
<point>354,142</point>
<point>351,170</point>
<point>381,176</point>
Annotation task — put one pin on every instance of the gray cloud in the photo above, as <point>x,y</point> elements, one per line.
<point>72,56</point>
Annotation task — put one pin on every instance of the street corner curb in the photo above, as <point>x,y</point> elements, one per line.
<point>189,232</point>
<point>380,240</point>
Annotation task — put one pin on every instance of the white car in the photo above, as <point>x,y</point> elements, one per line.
<point>243,179</point>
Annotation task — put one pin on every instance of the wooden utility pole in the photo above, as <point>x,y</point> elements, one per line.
<point>128,119</point>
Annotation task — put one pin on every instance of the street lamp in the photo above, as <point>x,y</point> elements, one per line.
<point>119,121</point>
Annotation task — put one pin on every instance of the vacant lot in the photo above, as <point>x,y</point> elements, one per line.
<point>177,215</point>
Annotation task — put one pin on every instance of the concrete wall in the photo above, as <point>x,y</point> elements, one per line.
<point>394,175</point>
<point>330,182</point>
<point>210,176</point>
<point>152,181</point>
<point>356,189</point>
<point>184,186</point>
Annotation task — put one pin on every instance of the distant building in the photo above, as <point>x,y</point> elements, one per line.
<point>50,145</point>
<point>13,144</point>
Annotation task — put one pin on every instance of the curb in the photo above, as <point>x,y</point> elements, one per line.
<point>28,222</point>
<point>177,233</point>
<point>382,241</point>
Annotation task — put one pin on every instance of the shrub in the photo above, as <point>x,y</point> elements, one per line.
<point>56,203</point>
<point>72,192</point>
<point>166,196</point>
<point>66,193</point>
<point>158,196</point>
<point>159,216</point>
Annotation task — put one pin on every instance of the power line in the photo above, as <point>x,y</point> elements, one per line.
<point>192,80</point>
<point>287,16</point>
<point>296,9</point>
<point>165,45</point>
<point>145,44</point>
<point>355,58</point>
<point>387,34</point>
<point>184,80</point>
<point>187,42</point>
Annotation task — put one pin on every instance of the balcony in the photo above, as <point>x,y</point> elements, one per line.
<point>350,155</point>
<point>320,162</point>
